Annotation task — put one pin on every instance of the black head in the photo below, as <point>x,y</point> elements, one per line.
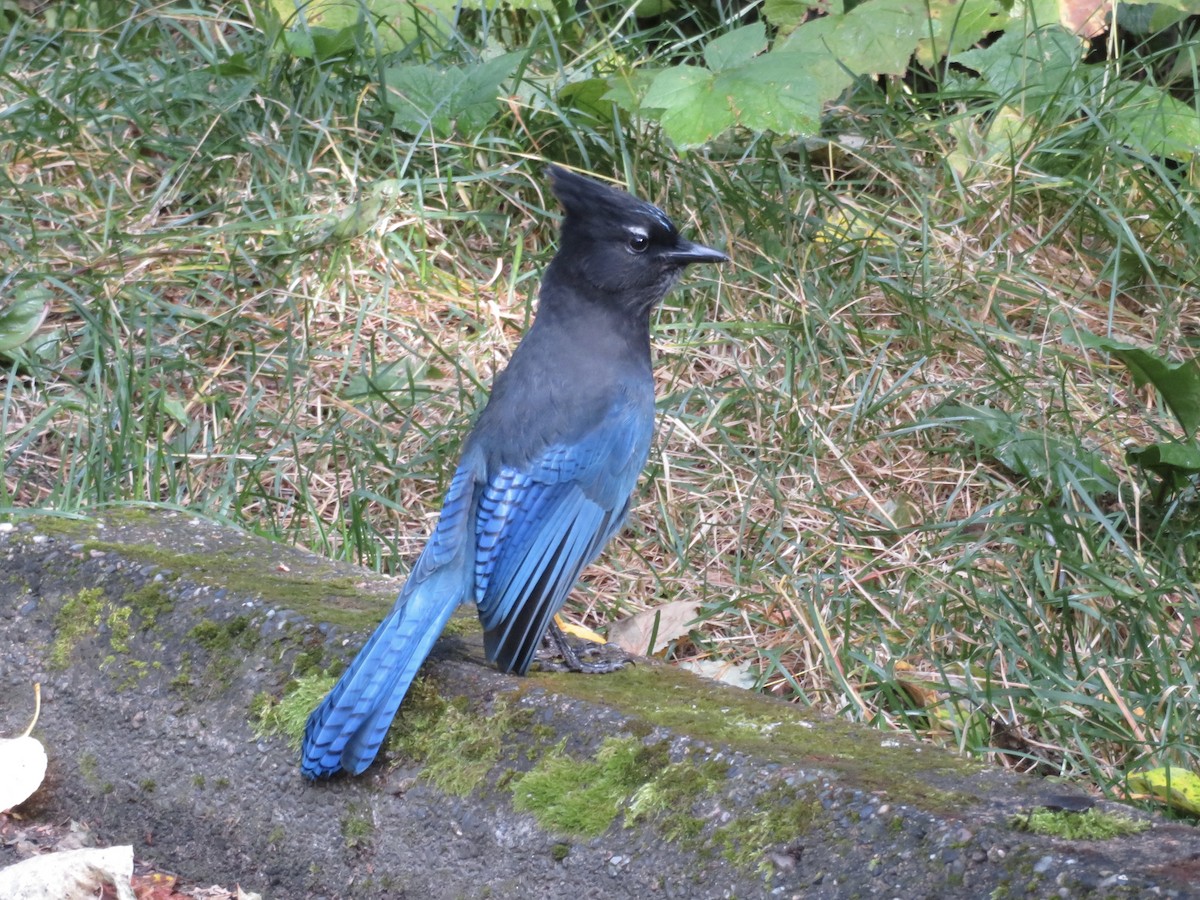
<point>616,247</point>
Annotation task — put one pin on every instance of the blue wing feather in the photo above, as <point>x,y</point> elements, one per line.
<point>539,527</point>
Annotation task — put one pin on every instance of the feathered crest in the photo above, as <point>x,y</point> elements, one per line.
<point>586,198</point>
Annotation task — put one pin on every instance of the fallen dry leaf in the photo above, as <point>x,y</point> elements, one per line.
<point>662,624</point>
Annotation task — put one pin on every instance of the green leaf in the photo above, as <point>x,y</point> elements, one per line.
<point>590,96</point>
<point>782,91</point>
<point>402,376</point>
<point>737,47</point>
<point>460,99</point>
<point>1177,382</point>
<point>1032,71</point>
<point>628,89</point>
<point>1028,453</point>
<point>21,316</point>
<point>1168,459</point>
<point>778,91</point>
<point>319,29</point>
<point>1176,786</point>
<point>692,112</point>
<point>956,25</point>
<point>1153,121</point>
<point>877,37</point>
<point>787,15</point>
<point>235,65</point>
<point>1191,7</point>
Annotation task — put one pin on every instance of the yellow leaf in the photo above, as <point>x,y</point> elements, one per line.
<point>1174,786</point>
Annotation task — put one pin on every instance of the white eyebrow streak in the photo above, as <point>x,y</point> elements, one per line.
<point>637,230</point>
<point>659,216</point>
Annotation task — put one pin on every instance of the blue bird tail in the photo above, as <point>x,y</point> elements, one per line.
<point>347,729</point>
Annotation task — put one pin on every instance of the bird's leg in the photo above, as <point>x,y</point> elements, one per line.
<point>571,660</point>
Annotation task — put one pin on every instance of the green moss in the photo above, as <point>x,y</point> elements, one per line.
<point>308,661</point>
<point>786,816</point>
<point>149,603</point>
<point>457,745</point>
<point>224,637</point>
<point>584,796</point>
<point>771,731</point>
<point>668,798</point>
<point>323,595</point>
<point>1092,825</point>
<point>225,642</point>
<point>560,851</point>
<point>288,716</point>
<point>357,829</point>
<point>89,768</point>
<point>462,624</point>
<point>89,612</point>
<point>119,627</point>
<point>182,680</point>
<point>79,618</point>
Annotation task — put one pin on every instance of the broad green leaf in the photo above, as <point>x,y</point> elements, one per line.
<point>956,25</point>
<point>737,47</point>
<point>789,14</point>
<point>1168,459</point>
<point>649,9</point>
<point>1151,120</point>
<point>358,218</point>
<point>318,29</point>
<point>1031,71</point>
<point>1177,382</point>
<point>628,89</point>
<point>590,96</point>
<point>1030,453</point>
<point>1192,7</point>
<point>460,99</point>
<point>405,377</point>
<point>692,112</point>
<point>782,91</point>
<point>420,97</point>
<point>877,37</point>
<point>175,408</point>
<point>778,91</point>
<point>21,316</point>
<point>1004,138</point>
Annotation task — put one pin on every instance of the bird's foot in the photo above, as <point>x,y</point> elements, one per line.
<point>562,653</point>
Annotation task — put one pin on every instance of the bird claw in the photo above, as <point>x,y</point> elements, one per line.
<point>558,654</point>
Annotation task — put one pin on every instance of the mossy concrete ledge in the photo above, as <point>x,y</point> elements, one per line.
<point>173,655</point>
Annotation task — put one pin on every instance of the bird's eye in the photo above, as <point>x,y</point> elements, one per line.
<point>638,243</point>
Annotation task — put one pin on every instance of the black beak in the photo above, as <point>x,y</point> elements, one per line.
<point>685,253</point>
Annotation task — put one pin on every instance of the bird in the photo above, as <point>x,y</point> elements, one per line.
<point>546,475</point>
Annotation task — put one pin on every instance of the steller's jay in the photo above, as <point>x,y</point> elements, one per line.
<point>546,475</point>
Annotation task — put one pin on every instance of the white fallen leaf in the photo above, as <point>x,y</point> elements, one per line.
<point>663,623</point>
<point>739,675</point>
<point>23,762</point>
<point>70,875</point>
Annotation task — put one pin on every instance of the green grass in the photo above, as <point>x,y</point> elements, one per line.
<point>274,308</point>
